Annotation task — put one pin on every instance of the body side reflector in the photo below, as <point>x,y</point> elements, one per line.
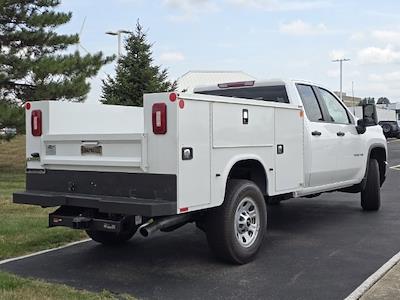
<point>184,209</point>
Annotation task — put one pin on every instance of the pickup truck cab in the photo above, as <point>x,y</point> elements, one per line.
<point>216,157</point>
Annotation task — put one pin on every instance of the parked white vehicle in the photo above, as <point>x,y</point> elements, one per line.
<point>8,131</point>
<point>215,157</point>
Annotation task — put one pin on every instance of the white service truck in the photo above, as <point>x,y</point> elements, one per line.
<point>216,157</point>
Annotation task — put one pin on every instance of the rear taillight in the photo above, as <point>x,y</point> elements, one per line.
<point>36,122</point>
<point>159,115</point>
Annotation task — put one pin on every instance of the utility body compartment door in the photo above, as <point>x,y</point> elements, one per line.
<point>194,173</point>
<point>289,150</point>
<point>241,132</point>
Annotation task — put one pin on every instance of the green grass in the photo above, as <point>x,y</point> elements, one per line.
<point>23,228</point>
<point>13,287</point>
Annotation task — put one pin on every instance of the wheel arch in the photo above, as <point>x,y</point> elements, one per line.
<point>250,168</point>
<point>379,153</point>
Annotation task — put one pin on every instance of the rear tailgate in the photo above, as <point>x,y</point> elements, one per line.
<point>86,137</point>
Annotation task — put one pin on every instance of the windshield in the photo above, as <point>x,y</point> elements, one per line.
<point>275,93</point>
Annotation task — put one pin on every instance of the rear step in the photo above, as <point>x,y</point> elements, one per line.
<point>73,219</point>
<point>106,204</point>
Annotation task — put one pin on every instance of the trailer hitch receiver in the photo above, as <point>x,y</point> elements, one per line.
<point>81,222</point>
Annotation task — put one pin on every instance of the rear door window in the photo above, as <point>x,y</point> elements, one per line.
<point>310,103</point>
<point>265,93</point>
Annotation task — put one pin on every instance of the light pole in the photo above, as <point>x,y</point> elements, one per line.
<point>352,93</point>
<point>118,33</point>
<point>341,60</point>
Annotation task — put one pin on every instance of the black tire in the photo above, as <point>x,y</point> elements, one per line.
<point>387,128</point>
<point>221,225</point>
<point>113,238</point>
<point>371,194</point>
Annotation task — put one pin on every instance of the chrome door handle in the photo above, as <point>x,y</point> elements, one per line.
<point>340,133</point>
<point>317,133</point>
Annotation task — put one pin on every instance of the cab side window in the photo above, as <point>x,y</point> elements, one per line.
<point>310,103</point>
<point>337,113</point>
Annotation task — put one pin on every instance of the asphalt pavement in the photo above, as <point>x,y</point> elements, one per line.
<point>320,248</point>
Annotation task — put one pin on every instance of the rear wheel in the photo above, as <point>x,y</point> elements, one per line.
<point>235,230</point>
<point>114,238</point>
<point>371,194</point>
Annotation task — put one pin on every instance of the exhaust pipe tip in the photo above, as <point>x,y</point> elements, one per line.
<point>163,223</point>
<point>149,228</point>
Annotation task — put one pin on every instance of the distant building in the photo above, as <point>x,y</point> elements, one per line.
<point>385,111</point>
<point>192,79</point>
<point>383,114</point>
<point>349,100</point>
<point>392,106</point>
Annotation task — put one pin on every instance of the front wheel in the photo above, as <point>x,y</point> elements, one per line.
<point>371,194</point>
<point>236,229</point>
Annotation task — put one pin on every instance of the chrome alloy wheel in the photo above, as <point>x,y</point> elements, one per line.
<point>247,222</point>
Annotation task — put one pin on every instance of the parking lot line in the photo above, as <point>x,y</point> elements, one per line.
<point>4,261</point>
<point>371,280</point>
<point>393,141</point>
<point>397,168</point>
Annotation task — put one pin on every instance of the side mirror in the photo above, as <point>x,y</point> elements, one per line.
<point>370,118</point>
<point>370,115</point>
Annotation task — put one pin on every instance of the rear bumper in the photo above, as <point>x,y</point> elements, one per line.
<point>138,194</point>
<point>105,204</point>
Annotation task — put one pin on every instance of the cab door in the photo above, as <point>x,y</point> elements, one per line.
<point>320,160</point>
<point>349,154</point>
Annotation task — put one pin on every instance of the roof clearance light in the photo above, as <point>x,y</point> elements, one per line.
<point>235,84</point>
<point>172,97</point>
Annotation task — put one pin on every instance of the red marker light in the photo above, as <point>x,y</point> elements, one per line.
<point>181,103</point>
<point>184,209</point>
<point>172,97</point>
<point>27,106</point>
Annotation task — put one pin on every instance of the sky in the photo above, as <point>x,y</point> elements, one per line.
<point>296,39</point>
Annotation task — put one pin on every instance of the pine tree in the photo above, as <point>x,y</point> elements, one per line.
<point>12,115</point>
<point>33,63</point>
<point>135,73</point>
